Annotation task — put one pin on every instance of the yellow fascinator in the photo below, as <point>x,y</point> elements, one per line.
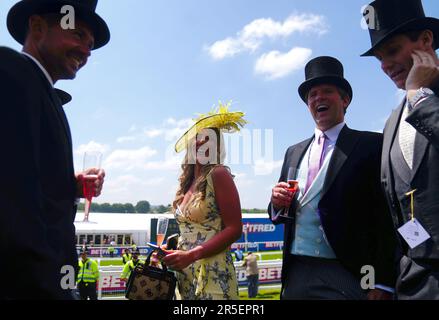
<point>220,118</point>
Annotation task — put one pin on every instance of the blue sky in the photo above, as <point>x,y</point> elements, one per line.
<point>170,59</point>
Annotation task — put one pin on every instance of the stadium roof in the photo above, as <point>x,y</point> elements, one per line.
<point>114,222</point>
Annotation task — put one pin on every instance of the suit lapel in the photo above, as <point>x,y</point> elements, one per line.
<point>345,144</point>
<point>57,105</point>
<point>56,100</point>
<point>421,144</point>
<point>298,153</point>
<point>392,129</point>
<point>316,186</point>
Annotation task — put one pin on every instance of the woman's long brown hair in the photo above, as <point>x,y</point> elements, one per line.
<point>188,175</point>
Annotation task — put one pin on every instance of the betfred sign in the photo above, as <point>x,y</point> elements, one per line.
<point>112,283</point>
<point>267,275</point>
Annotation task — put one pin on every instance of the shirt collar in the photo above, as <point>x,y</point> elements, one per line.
<point>332,134</point>
<point>40,66</point>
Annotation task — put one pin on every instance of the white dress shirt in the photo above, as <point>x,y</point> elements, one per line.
<point>49,78</point>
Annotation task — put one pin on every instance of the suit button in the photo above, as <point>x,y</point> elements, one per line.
<point>318,240</point>
<point>317,252</point>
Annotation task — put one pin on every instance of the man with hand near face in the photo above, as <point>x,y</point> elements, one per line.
<point>404,41</point>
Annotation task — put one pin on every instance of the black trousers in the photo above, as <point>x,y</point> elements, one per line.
<point>253,285</point>
<point>312,278</point>
<point>418,279</point>
<point>87,290</point>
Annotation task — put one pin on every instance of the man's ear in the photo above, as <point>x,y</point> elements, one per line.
<point>427,39</point>
<point>346,102</point>
<point>37,26</point>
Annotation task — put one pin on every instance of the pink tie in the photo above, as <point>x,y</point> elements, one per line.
<point>315,160</point>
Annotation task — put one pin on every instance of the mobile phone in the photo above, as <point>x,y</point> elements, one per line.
<point>172,241</point>
<point>159,250</point>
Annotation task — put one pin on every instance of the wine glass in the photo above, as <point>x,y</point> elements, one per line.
<point>92,160</point>
<point>162,227</point>
<point>293,186</point>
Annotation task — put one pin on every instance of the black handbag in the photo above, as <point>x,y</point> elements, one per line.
<point>151,283</point>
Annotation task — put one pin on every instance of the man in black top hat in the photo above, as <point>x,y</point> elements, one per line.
<point>404,41</point>
<point>337,228</point>
<point>39,185</point>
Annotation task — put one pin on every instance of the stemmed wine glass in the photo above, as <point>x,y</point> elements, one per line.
<point>162,227</point>
<point>293,186</point>
<point>92,160</point>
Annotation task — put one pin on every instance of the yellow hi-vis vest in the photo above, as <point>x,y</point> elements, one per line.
<point>128,268</point>
<point>126,258</point>
<point>88,271</point>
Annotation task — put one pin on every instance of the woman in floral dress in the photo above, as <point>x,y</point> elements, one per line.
<point>208,210</point>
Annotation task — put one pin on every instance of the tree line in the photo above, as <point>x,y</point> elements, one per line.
<point>141,207</point>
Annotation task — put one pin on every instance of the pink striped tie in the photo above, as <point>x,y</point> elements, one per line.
<point>315,160</point>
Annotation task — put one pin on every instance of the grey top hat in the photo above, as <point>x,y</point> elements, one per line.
<point>324,70</point>
<point>19,14</point>
<point>386,18</point>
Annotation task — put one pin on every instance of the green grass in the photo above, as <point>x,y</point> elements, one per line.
<point>107,263</point>
<point>270,255</point>
<point>267,255</point>
<point>267,294</point>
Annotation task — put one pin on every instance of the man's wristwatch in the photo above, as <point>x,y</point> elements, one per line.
<point>421,93</point>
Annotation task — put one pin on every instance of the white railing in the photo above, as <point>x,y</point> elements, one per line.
<point>111,287</point>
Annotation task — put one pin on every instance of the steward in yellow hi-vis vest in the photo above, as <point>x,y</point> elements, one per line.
<point>126,256</point>
<point>88,276</point>
<point>129,266</point>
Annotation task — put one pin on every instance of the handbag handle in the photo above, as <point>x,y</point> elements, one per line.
<point>148,261</point>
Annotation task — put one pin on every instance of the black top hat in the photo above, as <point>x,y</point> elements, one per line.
<point>19,14</point>
<point>324,70</point>
<point>386,18</point>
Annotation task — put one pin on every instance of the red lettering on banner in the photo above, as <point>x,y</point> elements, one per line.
<point>270,274</point>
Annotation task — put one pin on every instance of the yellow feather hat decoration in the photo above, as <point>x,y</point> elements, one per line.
<point>220,118</point>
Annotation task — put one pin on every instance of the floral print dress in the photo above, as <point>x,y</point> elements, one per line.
<point>212,278</point>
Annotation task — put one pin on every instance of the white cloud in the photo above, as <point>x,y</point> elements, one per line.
<point>226,48</point>
<point>263,168</point>
<point>171,164</point>
<point>140,159</point>
<point>175,128</point>
<point>153,133</point>
<point>251,37</point>
<point>171,129</point>
<point>276,65</point>
<point>129,159</point>
<point>178,123</point>
<point>132,188</point>
<point>126,139</point>
<point>242,181</point>
<point>130,182</point>
<point>91,146</point>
